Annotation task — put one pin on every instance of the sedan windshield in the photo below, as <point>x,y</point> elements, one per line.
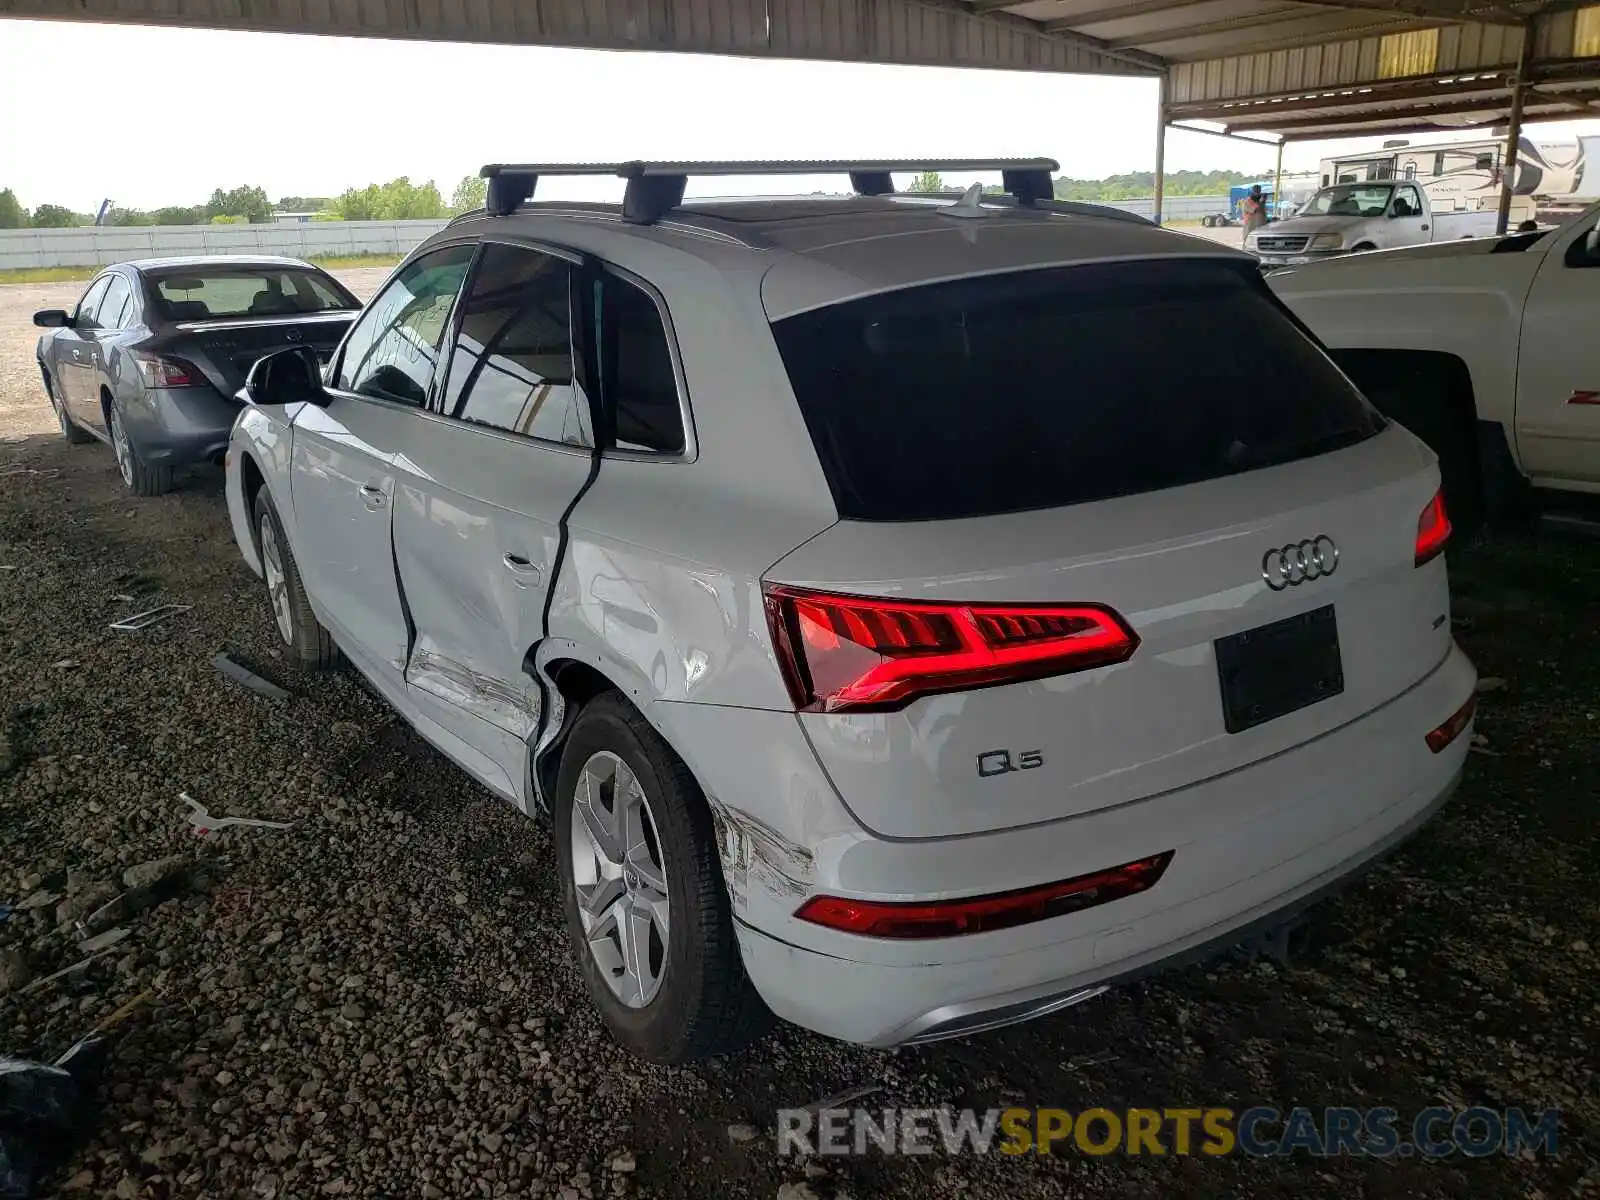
<point>199,294</point>
<point>1350,200</point>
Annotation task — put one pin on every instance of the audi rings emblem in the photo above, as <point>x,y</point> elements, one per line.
<point>1290,566</point>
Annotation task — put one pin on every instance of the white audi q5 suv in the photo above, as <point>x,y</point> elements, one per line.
<point>913,613</point>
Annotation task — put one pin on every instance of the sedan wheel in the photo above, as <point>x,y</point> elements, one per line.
<point>620,877</point>
<point>119,443</point>
<point>277,580</point>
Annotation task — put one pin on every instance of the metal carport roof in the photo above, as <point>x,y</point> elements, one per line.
<point>1294,69</point>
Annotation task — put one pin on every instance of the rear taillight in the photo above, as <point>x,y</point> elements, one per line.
<point>1433,530</point>
<point>866,654</point>
<point>979,914</point>
<point>167,372</point>
<point>1441,737</point>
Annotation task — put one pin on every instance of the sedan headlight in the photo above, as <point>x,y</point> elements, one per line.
<point>1326,241</point>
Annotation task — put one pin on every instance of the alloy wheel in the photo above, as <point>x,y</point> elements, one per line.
<point>119,443</point>
<point>277,579</point>
<point>621,879</point>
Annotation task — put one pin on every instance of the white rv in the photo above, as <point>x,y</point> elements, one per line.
<point>1550,181</point>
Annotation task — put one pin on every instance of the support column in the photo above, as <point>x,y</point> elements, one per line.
<point>1277,182</point>
<point>1162,106</point>
<point>1519,93</point>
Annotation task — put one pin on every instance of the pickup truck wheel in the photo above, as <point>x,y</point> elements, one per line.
<point>642,888</point>
<point>306,641</point>
<point>1431,395</point>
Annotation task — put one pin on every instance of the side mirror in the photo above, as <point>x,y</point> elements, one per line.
<point>292,376</point>
<point>52,318</point>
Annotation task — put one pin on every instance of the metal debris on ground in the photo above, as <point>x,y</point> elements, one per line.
<point>205,823</point>
<point>245,677</point>
<point>848,1096</point>
<point>150,616</point>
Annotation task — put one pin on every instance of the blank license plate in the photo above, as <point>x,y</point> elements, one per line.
<point>1276,669</point>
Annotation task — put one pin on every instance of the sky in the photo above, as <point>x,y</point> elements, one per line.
<point>311,116</point>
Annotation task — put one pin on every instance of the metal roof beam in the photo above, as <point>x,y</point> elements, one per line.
<point>1379,25</point>
<point>1148,62</point>
<point>1276,16</point>
<point>1096,16</point>
<point>1470,12</point>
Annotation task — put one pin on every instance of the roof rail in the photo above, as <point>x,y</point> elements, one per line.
<point>656,188</point>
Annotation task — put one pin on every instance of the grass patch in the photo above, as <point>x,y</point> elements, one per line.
<point>328,262</point>
<point>47,274</point>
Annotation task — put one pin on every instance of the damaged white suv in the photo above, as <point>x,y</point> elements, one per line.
<point>914,614</point>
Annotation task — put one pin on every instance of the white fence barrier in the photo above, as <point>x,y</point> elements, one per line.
<point>97,246</point>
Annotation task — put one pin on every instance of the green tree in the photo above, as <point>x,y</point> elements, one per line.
<point>397,200</point>
<point>303,203</point>
<point>127,216</point>
<point>928,181</point>
<point>53,216</point>
<point>230,219</point>
<point>178,215</point>
<point>470,193</point>
<point>12,214</point>
<point>251,203</point>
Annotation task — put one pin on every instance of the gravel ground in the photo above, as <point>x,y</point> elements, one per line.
<point>380,1001</point>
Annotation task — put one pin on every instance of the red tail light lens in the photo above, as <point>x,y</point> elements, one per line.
<point>950,918</point>
<point>167,372</point>
<point>865,654</point>
<point>1433,530</point>
<point>1441,737</point>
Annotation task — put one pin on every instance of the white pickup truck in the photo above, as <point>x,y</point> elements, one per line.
<point>1350,217</point>
<point>1489,350</point>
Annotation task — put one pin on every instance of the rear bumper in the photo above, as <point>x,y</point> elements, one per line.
<point>177,426</point>
<point>1252,847</point>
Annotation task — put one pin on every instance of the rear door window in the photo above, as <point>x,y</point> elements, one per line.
<point>1055,387</point>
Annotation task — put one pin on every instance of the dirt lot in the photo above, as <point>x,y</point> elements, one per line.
<point>380,1001</point>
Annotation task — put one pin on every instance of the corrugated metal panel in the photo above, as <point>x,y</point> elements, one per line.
<point>1586,33</point>
<point>940,32</point>
<point>1340,64</point>
<point>1402,55</point>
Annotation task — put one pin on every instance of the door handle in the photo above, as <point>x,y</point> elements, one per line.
<point>522,568</point>
<point>373,496</point>
<point>1424,229</point>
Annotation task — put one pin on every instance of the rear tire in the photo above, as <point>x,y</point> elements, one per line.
<point>1431,395</point>
<point>304,639</point>
<point>695,999</point>
<point>142,478</point>
<point>69,428</point>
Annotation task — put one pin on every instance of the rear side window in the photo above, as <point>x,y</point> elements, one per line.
<point>1055,387</point>
<point>649,416</point>
<point>512,365</point>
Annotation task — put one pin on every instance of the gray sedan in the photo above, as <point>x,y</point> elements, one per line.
<point>152,355</point>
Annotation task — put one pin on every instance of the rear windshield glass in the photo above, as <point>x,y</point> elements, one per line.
<point>203,293</point>
<point>1053,387</point>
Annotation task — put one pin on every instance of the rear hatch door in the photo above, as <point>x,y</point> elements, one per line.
<point>1159,439</point>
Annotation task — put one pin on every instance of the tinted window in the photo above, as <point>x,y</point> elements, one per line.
<point>649,416</point>
<point>89,306</point>
<point>1054,387</point>
<point>512,365</point>
<point>114,307</point>
<point>199,293</point>
<point>393,347</point>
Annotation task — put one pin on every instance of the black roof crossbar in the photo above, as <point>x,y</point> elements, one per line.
<point>656,188</point>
